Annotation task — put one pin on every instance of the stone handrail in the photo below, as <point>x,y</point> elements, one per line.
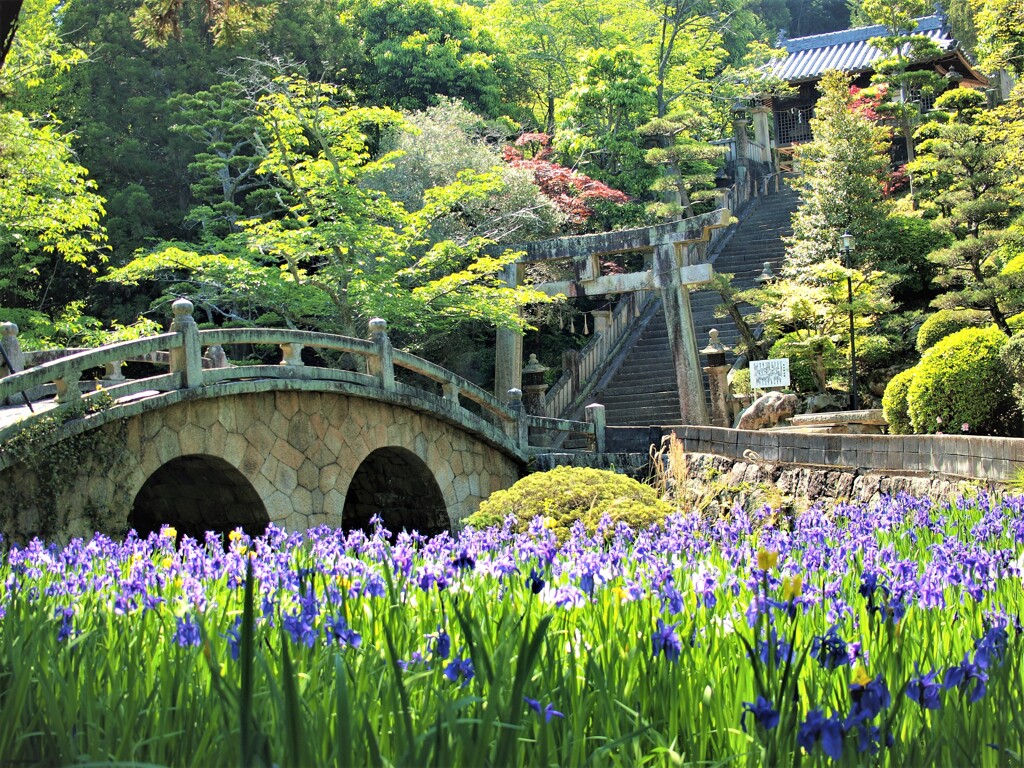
<point>184,345</point>
<point>65,372</point>
<point>564,395</point>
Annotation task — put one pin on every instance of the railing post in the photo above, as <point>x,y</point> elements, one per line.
<point>9,338</point>
<point>522,429</point>
<point>291,354</point>
<point>217,357</point>
<point>188,358</point>
<point>383,365</point>
<point>595,416</point>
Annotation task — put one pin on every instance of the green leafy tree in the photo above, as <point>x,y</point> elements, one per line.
<point>51,232</point>
<point>341,251</point>
<point>904,85</point>
<point>221,121</point>
<point>841,182</point>
<point>416,50</point>
<point>612,97</point>
<point>964,174</point>
<point>434,148</point>
<point>812,310</point>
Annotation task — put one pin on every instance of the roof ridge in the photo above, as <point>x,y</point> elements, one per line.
<point>856,34</point>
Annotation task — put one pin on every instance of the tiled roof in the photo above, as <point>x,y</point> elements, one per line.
<point>846,50</point>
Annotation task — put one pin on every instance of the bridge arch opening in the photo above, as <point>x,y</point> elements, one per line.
<point>396,484</point>
<point>195,494</point>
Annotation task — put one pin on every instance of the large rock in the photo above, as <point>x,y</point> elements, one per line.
<point>768,410</point>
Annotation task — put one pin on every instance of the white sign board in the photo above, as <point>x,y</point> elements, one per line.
<point>765,374</point>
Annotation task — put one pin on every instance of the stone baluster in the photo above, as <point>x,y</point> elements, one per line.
<point>595,416</point>
<point>67,387</point>
<point>451,392</point>
<point>188,358</point>
<point>217,357</point>
<point>291,354</point>
<point>112,372</point>
<point>382,365</point>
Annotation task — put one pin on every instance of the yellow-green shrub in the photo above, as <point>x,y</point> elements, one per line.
<point>895,405</point>
<point>568,494</point>
<point>961,380</point>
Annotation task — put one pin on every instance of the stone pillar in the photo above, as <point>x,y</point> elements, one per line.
<point>595,416</point>
<point>682,341</point>
<point>520,431</point>
<point>534,387</point>
<point>508,349</point>
<point>762,135</point>
<point>291,354</point>
<point>381,365</point>
<point>602,320</point>
<point>739,129</point>
<point>718,385</point>
<point>217,357</point>
<point>12,347</point>
<point>188,358</point>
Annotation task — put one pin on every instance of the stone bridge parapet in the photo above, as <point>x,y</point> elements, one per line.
<point>293,444</point>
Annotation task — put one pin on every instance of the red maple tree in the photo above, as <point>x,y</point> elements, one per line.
<point>569,190</point>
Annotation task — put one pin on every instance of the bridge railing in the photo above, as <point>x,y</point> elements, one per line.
<point>579,376</point>
<point>375,359</point>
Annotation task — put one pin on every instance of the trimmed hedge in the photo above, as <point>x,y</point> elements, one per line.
<point>962,380</point>
<point>895,405</point>
<point>567,494</point>
<point>941,324</point>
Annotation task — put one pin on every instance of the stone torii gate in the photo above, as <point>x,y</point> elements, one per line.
<point>675,267</point>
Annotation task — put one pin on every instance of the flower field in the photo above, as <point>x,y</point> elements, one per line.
<point>886,635</point>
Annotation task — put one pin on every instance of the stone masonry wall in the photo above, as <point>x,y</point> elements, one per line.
<point>299,450</point>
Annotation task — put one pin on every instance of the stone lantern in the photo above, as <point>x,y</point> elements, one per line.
<point>718,371</point>
<point>534,387</point>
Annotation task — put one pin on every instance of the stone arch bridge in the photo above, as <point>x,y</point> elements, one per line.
<point>206,445</point>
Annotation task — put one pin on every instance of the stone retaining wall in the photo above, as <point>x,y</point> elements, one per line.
<point>991,459</point>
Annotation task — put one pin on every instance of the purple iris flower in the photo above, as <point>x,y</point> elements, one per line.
<point>830,649</point>
<point>460,668</point>
<point>300,628</point>
<point>534,582</point>
<point>868,701</point>
<point>764,714</point>
<point>336,630</point>
<point>991,646</point>
<point>440,644</point>
<point>187,632</point>
<point>924,689</point>
<point>547,712</point>
<point>234,638</point>
<point>966,676</point>
<point>66,628</point>
<point>666,639</point>
<point>826,730</point>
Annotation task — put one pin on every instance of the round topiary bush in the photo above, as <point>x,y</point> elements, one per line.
<point>568,494</point>
<point>962,381</point>
<point>941,324</point>
<point>895,405</point>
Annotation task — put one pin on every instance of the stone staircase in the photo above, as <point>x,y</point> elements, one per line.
<point>642,390</point>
